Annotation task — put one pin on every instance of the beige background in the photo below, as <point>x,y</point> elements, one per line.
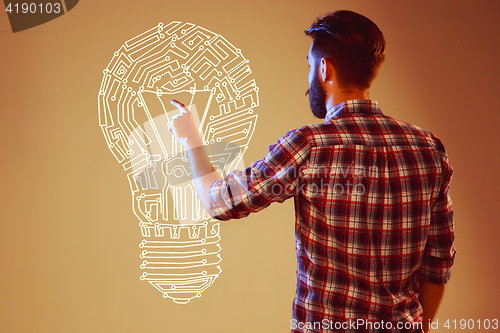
<point>69,255</point>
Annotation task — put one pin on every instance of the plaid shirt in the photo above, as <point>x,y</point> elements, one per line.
<point>373,215</point>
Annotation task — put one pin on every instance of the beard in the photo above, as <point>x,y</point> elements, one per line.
<point>317,98</point>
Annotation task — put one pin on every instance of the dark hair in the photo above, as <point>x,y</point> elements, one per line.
<point>352,43</point>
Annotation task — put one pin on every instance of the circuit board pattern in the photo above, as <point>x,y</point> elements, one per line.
<point>181,245</point>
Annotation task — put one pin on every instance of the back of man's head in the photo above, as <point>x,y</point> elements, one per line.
<point>352,43</point>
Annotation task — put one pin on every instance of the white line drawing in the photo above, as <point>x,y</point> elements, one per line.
<point>181,245</point>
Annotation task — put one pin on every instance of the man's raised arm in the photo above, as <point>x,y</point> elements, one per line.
<point>183,128</point>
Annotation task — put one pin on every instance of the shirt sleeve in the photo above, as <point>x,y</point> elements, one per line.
<point>272,179</point>
<point>439,253</point>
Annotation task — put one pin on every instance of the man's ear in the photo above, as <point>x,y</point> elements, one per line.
<point>326,71</point>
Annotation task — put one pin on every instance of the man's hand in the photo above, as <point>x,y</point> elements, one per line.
<point>183,128</point>
<point>430,298</point>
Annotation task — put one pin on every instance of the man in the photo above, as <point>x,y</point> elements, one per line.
<point>374,220</point>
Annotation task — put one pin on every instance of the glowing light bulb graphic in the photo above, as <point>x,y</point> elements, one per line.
<point>181,244</point>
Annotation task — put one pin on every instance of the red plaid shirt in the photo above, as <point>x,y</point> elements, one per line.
<point>373,215</point>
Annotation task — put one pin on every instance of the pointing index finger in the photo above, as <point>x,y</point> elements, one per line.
<point>179,105</point>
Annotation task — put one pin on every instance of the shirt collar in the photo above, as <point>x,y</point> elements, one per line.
<point>353,106</point>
